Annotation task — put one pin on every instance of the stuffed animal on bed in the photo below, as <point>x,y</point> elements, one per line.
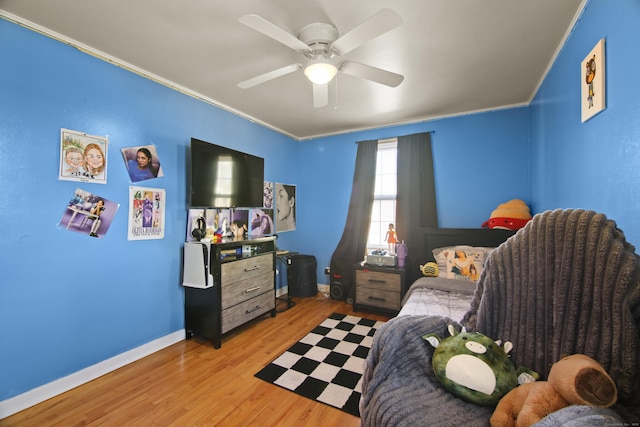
<point>429,269</point>
<point>573,380</point>
<point>475,367</point>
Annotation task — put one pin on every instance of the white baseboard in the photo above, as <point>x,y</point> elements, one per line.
<point>325,289</point>
<point>282,291</point>
<point>37,395</point>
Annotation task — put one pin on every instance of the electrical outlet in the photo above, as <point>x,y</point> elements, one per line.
<point>327,270</point>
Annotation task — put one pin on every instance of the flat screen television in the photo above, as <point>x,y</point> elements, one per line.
<point>224,178</point>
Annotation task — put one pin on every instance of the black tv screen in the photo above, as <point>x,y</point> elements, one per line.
<point>224,178</point>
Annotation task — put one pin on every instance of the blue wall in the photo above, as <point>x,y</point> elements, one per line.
<point>596,164</point>
<point>469,186</point>
<point>68,301</point>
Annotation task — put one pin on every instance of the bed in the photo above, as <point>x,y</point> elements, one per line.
<point>399,387</point>
<point>450,293</point>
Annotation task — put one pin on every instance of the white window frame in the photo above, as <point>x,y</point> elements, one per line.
<point>383,211</point>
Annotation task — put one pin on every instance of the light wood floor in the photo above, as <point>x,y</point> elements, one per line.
<point>192,384</point>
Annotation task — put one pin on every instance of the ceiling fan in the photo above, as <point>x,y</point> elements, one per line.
<point>319,42</point>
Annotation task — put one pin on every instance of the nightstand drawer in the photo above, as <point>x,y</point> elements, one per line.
<point>378,280</point>
<point>378,298</point>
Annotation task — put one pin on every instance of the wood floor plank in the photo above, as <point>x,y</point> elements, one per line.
<point>192,384</point>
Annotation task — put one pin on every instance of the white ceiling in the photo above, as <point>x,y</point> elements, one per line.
<point>457,56</point>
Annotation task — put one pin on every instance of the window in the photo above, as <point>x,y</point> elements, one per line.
<point>383,212</point>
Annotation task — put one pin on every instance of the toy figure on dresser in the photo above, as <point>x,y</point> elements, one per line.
<point>391,238</point>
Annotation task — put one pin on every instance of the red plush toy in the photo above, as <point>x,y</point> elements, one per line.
<point>512,215</point>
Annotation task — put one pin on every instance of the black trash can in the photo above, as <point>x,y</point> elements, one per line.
<point>301,276</point>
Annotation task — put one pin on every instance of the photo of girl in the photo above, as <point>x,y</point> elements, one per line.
<point>82,157</point>
<point>142,162</point>
<point>88,214</point>
<point>94,162</point>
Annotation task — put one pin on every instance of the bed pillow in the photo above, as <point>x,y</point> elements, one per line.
<point>461,262</point>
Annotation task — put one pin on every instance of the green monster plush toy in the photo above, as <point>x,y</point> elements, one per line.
<point>474,367</point>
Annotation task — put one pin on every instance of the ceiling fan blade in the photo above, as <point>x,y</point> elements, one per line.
<point>269,76</point>
<point>320,95</point>
<point>269,29</point>
<point>368,72</point>
<point>383,21</point>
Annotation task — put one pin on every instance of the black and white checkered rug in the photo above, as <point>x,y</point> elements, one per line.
<point>326,364</point>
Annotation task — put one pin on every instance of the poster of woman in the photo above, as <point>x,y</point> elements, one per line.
<point>285,196</point>
<point>142,162</point>
<point>146,213</point>
<point>83,157</point>
<point>89,214</point>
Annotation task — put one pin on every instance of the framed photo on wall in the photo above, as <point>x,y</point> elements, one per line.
<point>83,157</point>
<point>593,90</point>
<point>285,196</point>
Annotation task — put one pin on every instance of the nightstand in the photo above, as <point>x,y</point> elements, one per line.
<point>379,288</point>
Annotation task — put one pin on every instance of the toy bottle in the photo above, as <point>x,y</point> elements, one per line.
<point>401,251</point>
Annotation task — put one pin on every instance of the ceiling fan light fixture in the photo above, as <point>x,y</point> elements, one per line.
<point>320,71</point>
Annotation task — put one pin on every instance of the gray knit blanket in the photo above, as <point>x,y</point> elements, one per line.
<point>566,283</point>
<point>400,389</point>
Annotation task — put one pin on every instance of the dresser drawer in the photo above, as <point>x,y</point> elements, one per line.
<point>245,311</point>
<point>237,292</point>
<point>245,268</point>
<point>378,298</point>
<point>378,280</point>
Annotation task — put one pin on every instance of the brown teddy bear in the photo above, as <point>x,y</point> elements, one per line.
<point>573,380</point>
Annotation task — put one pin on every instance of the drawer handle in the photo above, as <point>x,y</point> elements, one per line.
<point>255,288</point>
<point>377,299</point>
<point>255,267</point>
<point>377,281</point>
<point>257,307</point>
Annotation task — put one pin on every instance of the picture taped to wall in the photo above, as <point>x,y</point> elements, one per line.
<point>142,162</point>
<point>217,221</point>
<point>593,91</point>
<point>267,201</point>
<point>89,214</point>
<point>261,222</point>
<point>285,196</point>
<point>83,157</point>
<point>239,223</point>
<point>146,213</point>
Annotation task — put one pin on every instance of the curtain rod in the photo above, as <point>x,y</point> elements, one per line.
<point>383,140</point>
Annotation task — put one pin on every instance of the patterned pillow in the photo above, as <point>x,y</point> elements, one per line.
<point>461,262</point>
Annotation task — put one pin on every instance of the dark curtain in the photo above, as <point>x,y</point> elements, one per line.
<point>353,243</point>
<point>416,198</point>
